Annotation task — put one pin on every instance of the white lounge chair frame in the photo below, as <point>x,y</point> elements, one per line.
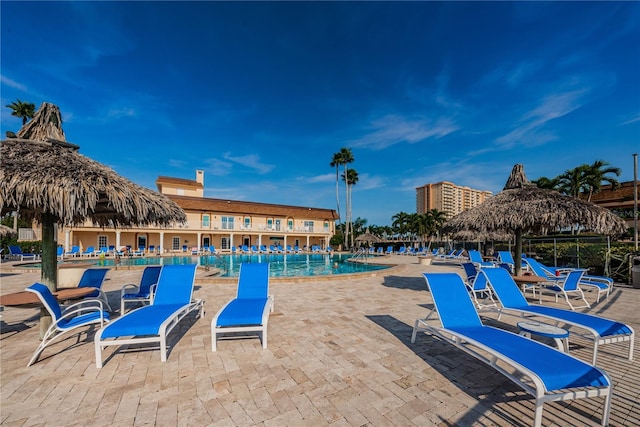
<point>590,335</point>
<point>165,329</point>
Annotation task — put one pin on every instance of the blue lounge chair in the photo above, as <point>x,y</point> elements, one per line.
<point>93,278</point>
<point>142,292</point>
<point>542,371</point>
<point>78,315</point>
<point>16,253</point>
<point>600,284</point>
<point>60,252</point>
<point>599,330</point>
<point>505,257</point>
<point>153,323</point>
<point>73,252</point>
<point>568,285</point>
<point>476,258</point>
<point>89,252</point>
<point>249,311</point>
<point>389,250</point>
<point>477,286</point>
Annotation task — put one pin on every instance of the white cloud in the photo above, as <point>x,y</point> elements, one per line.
<point>218,167</point>
<point>631,120</point>
<point>328,177</point>
<point>251,161</point>
<point>551,107</point>
<point>11,83</point>
<point>395,129</point>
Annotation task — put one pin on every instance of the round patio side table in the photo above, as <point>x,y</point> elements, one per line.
<point>559,335</point>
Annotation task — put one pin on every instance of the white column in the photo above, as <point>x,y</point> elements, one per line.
<point>161,245</point>
<point>118,240</point>
<point>67,240</point>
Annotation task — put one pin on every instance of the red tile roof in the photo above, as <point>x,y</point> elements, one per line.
<point>251,208</point>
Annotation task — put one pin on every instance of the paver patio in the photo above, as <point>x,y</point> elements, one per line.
<point>339,354</point>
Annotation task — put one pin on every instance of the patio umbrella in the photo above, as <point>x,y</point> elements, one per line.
<point>522,207</point>
<point>47,180</point>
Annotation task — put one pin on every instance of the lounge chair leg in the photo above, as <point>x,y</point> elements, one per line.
<point>537,420</point>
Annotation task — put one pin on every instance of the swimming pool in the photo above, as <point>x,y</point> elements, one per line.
<point>280,265</point>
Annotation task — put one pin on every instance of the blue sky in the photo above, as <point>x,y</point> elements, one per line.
<point>260,95</point>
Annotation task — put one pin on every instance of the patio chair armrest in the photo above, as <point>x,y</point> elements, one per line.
<point>82,307</point>
<point>126,289</point>
<point>152,292</point>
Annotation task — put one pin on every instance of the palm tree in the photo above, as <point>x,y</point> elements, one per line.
<point>574,181</point>
<point>597,173</point>
<point>350,178</point>
<point>400,223</point>
<point>550,184</point>
<point>336,161</point>
<point>25,110</point>
<point>345,157</point>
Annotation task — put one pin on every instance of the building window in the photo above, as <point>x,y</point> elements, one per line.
<point>227,222</point>
<point>175,243</point>
<point>277,225</point>
<point>247,222</point>
<point>308,226</point>
<point>103,242</point>
<point>224,243</point>
<point>269,223</point>
<point>206,221</point>
<point>290,224</point>
<point>326,226</point>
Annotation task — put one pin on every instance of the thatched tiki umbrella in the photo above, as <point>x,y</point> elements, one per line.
<point>367,238</point>
<point>522,207</point>
<point>48,181</point>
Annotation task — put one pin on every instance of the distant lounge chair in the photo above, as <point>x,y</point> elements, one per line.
<point>16,253</point>
<point>249,311</point>
<point>75,251</point>
<point>89,252</point>
<point>153,323</point>
<point>65,319</point>
<point>542,371</point>
<point>142,292</point>
<point>568,285</point>
<point>599,329</point>
<point>600,284</point>
<point>476,259</point>
<point>505,257</point>
<point>60,252</point>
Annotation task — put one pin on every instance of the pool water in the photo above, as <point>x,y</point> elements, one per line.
<point>280,265</point>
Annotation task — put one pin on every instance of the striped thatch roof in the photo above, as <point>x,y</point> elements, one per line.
<point>41,174</point>
<point>525,207</point>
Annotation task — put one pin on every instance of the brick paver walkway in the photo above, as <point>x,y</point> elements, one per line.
<point>339,354</point>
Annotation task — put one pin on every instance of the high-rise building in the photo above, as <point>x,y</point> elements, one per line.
<point>448,198</point>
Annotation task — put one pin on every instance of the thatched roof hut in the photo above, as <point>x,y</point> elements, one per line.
<point>46,179</point>
<point>522,207</point>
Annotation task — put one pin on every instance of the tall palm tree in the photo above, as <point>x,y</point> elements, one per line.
<point>438,218</point>
<point>25,110</point>
<point>345,157</point>
<point>336,161</point>
<point>400,223</point>
<point>597,173</point>
<point>350,178</point>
